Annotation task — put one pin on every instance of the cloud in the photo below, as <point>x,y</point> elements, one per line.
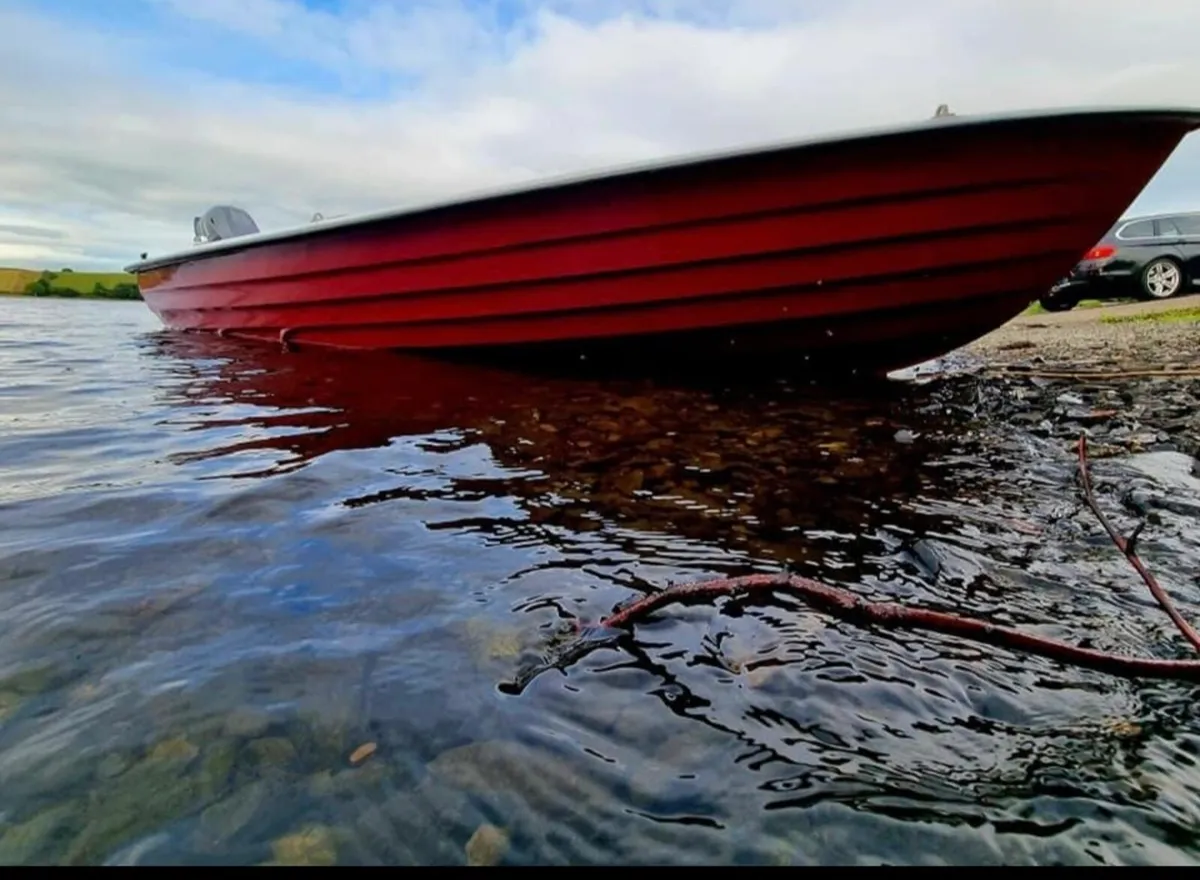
<point>26,231</point>
<point>120,127</point>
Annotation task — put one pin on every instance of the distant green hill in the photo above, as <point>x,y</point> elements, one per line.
<point>67,283</point>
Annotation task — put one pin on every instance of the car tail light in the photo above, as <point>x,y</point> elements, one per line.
<point>1102,252</point>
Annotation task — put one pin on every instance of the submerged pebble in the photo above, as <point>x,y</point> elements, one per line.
<point>314,845</point>
<point>487,846</point>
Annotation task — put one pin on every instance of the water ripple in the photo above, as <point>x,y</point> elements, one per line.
<point>224,569</point>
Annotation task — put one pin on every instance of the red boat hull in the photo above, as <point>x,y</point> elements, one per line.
<point>877,251</point>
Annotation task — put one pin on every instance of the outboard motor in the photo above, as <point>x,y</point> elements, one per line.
<point>221,222</point>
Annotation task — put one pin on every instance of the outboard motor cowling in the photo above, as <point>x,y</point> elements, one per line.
<point>221,222</point>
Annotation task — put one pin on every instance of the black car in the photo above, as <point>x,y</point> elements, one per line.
<point>1142,257</point>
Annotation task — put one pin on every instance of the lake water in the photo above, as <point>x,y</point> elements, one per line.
<point>225,570</point>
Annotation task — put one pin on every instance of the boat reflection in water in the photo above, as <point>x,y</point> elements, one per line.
<point>738,466</point>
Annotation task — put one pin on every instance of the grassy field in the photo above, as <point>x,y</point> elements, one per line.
<point>15,280</point>
<point>1170,316</point>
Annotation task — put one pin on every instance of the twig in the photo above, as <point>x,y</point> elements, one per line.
<point>849,606</point>
<point>1128,546</point>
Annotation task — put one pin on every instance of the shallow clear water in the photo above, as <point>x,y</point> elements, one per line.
<point>223,569</point>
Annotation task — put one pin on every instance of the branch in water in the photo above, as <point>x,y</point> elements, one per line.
<point>1128,546</point>
<point>849,606</point>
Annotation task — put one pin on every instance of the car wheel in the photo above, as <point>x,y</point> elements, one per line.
<point>1054,302</point>
<point>1162,278</point>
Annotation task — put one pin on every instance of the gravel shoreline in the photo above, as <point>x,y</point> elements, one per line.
<point>1130,345</point>
<point>1131,386</point>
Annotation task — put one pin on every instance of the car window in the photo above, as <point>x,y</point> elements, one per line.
<point>1137,229</point>
<point>1188,225</point>
<point>1167,227</point>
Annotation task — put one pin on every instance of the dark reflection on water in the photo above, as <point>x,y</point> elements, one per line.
<point>223,569</point>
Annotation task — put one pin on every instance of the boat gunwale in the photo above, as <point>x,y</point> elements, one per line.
<point>634,170</point>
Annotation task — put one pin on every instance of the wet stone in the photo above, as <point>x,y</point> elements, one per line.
<point>367,780</point>
<point>137,851</point>
<point>375,839</point>
<point>689,751</point>
<point>174,751</point>
<point>27,842</point>
<point>112,765</point>
<point>324,735</point>
<point>508,770</point>
<point>216,766</point>
<point>487,846</point>
<point>84,693</point>
<point>490,642</point>
<point>1140,442</point>
<point>424,826</point>
<point>149,794</point>
<point>246,722</point>
<point>271,751</point>
<point>321,784</point>
<point>228,816</point>
<point>36,680</point>
<point>313,845</point>
<point>10,701</point>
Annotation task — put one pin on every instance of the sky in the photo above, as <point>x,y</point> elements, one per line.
<point>120,120</point>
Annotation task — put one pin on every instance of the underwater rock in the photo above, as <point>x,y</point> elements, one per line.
<point>313,845</point>
<point>487,846</point>
<point>490,642</point>
<point>217,765</point>
<point>10,701</point>
<point>272,751</point>
<point>541,779</point>
<point>112,765</point>
<point>133,855</point>
<point>246,722</point>
<point>37,679</point>
<point>29,841</point>
<point>228,816</point>
<point>175,750</point>
<point>149,794</point>
<point>321,784</point>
